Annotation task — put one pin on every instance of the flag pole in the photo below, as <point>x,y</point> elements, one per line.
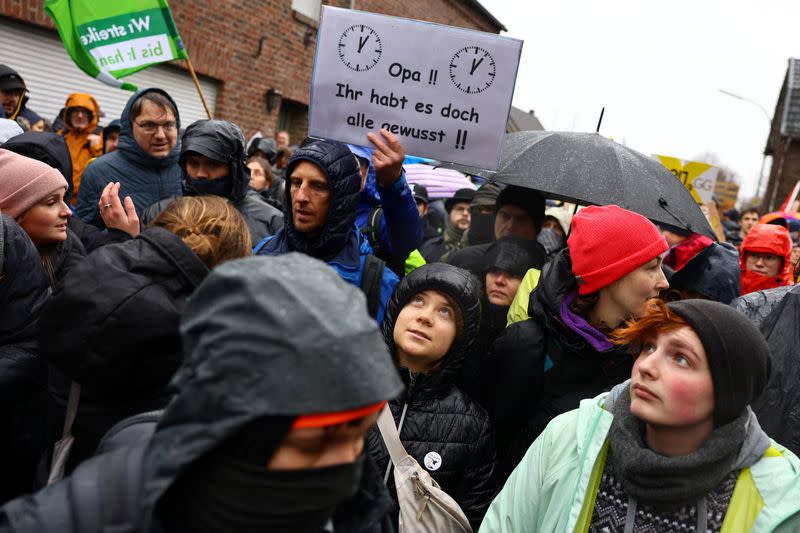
<point>197,83</point>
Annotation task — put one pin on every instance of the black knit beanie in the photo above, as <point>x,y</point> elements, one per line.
<point>531,201</point>
<point>737,353</point>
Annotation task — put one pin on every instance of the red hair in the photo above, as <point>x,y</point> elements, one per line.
<point>658,319</point>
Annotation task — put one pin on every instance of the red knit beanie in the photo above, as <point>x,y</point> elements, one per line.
<point>24,182</point>
<point>608,242</point>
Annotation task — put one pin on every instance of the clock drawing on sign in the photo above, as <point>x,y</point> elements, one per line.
<point>360,48</point>
<point>472,69</point>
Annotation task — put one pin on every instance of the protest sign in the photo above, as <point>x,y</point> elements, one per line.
<point>727,193</point>
<point>699,178</point>
<point>445,92</point>
<point>110,40</point>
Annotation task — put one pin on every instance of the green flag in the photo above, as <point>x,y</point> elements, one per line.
<point>109,40</point>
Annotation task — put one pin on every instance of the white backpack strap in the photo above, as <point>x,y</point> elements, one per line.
<point>391,438</point>
<point>64,445</point>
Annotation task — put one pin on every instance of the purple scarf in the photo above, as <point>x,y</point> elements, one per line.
<point>590,334</point>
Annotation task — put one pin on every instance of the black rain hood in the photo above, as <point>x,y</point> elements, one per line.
<point>344,179</point>
<point>221,141</point>
<point>268,146</point>
<point>464,289</point>
<point>714,273</point>
<point>24,288</point>
<point>128,144</point>
<point>50,148</point>
<point>260,342</point>
<point>512,254</point>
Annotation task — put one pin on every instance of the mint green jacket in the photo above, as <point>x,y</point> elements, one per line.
<point>555,486</point>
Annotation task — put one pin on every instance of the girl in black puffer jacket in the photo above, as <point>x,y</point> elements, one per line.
<point>430,327</point>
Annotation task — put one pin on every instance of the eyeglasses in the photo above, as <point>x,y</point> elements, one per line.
<point>767,258</point>
<point>152,127</point>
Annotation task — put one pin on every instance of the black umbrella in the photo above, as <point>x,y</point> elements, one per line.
<point>587,168</point>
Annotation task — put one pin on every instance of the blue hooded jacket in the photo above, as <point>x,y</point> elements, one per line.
<point>401,227</point>
<point>340,243</point>
<point>145,178</point>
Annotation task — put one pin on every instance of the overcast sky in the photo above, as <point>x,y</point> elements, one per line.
<point>657,68</point>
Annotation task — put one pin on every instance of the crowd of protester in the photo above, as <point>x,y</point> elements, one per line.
<point>199,334</point>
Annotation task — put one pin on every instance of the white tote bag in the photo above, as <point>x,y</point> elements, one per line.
<point>424,506</point>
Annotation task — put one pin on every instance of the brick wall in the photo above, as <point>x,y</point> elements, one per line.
<point>252,45</point>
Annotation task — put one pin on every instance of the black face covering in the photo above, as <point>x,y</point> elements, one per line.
<point>222,494</point>
<point>481,228</point>
<point>218,187</point>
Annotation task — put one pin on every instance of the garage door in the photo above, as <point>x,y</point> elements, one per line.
<point>50,75</point>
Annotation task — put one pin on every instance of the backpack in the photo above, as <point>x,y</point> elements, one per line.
<point>372,231</point>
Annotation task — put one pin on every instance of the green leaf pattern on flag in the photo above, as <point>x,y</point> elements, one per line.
<point>111,40</point>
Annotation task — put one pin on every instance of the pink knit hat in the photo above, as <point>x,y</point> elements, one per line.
<point>24,182</point>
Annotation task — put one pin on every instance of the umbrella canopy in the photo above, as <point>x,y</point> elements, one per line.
<point>792,219</point>
<point>440,182</point>
<point>590,169</point>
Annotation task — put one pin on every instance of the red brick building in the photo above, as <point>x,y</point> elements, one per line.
<point>243,49</point>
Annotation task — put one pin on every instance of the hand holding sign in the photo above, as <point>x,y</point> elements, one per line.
<point>444,92</point>
<point>387,158</point>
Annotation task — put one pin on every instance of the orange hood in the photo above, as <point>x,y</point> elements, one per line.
<point>83,100</point>
<point>769,239</point>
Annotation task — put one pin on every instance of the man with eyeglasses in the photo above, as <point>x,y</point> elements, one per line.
<point>145,163</point>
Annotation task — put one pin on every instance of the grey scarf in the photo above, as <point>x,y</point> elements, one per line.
<point>452,237</point>
<point>670,481</point>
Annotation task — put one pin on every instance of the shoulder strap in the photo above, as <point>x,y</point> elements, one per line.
<point>371,281</point>
<point>391,438</point>
<point>372,229</point>
<point>261,244</point>
<point>62,448</point>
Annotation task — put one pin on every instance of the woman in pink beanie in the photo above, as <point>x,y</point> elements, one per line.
<point>32,193</point>
<point>562,354</point>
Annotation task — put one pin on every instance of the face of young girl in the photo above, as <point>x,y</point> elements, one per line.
<point>424,330</point>
<point>46,222</point>
<point>671,382</point>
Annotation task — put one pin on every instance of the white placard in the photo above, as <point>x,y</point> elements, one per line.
<point>444,91</point>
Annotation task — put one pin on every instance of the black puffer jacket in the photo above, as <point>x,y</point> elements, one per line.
<point>437,417</point>
<point>544,368</point>
<point>221,140</point>
<point>113,328</point>
<point>24,290</point>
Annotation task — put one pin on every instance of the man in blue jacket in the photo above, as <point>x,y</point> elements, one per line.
<point>387,212</point>
<point>323,182</point>
<point>146,160</point>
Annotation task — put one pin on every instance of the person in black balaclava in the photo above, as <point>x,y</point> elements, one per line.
<point>213,161</point>
<point>266,432</point>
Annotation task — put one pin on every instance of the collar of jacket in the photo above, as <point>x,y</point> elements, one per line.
<point>175,250</point>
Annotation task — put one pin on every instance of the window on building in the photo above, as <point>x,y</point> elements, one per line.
<point>309,8</point>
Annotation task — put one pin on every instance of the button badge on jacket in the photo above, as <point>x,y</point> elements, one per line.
<point>432,461</point>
